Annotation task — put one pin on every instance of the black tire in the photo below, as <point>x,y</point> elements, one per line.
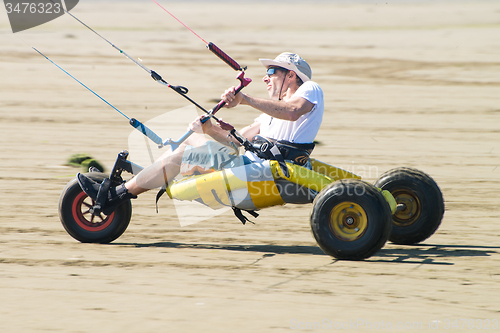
<point>350,220</point>
<point>423,200</point>
<point>83,226</point>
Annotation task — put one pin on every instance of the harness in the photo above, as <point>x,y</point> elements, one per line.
<point>297,153</point>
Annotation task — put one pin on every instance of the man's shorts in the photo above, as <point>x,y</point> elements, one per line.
<point>209,157</point>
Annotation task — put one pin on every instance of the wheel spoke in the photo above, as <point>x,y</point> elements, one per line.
<point>86,204</point>
<point>92,216</point>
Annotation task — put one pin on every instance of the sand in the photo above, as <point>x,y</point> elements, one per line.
<point>412,84</point>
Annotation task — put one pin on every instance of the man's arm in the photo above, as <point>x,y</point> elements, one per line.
<point>290,110</point>
<point>251,130</point>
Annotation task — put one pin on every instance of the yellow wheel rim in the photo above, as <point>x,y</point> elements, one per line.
<point>411,211</point>
<point>348,221</point>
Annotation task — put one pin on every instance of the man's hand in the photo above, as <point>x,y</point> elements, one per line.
<point>231,98</point>
<point>197,127</point>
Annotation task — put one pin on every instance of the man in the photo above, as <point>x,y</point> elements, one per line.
<point>292,116</point>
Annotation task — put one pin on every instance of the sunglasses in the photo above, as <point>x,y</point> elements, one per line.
<point>273,70</point>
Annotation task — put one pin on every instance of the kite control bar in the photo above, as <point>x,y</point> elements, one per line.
<point>224,57</point>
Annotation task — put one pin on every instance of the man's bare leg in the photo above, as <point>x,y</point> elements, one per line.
<point>163,170</point>
<point>157,174</point>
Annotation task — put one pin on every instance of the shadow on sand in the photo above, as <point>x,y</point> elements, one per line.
<point>432,254</point>
<point>273,249</point>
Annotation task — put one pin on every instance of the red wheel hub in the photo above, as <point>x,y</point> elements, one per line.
<point>85,219</point>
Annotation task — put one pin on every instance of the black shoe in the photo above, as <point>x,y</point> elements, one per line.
<point>114,197</point>
<point>89,186</point>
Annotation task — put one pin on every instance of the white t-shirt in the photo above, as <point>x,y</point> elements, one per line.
<point>304,129</point>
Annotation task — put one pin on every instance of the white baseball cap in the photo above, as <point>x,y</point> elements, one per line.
<point>292,62</point>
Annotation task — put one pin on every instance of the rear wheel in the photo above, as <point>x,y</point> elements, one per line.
<point>75,216</point>
<point>350,220</point>
<point>420,204</point>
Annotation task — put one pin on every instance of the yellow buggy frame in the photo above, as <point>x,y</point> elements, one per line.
<point>350,218</point>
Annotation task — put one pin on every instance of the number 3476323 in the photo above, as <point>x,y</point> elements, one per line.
<point>33,8</point>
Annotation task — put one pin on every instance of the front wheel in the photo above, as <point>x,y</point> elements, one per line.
<point>350,220</point>
<point>85,227</point>
<point>420,204</point>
